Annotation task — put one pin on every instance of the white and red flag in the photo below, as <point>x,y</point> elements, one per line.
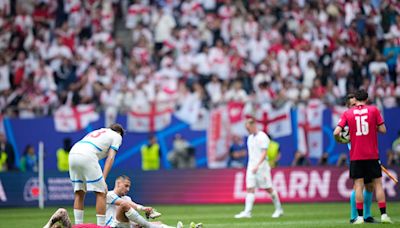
<point>74,118</point>
<point>310,135</point>
<point>150,116</point>
<point>236,117</point>
<point>276,122</point>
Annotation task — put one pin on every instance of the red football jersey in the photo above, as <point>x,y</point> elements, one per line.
<point>363,122</point>
<point>89,226</point>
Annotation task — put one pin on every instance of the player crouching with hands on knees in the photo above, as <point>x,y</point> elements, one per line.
<point>85,171</point>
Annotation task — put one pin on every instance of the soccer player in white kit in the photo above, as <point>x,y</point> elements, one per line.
<point>122,212</point>
<point>85,171</point>
<point>258,174</point>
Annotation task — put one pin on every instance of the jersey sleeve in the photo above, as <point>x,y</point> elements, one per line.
<point>116,141</point>
<point>127,198</point>
<point>343,120</point>
<point>112,197</point>
<point>263,141</point>
<point>379,119</point>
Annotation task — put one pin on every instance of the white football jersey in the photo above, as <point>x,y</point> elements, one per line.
<point>103,139</point>
<point>111,207</point>
<point>256,144</point>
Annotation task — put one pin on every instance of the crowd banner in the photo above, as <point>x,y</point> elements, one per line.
<point>194,186</point>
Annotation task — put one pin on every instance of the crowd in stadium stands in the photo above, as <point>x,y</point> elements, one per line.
<point>54,52</point>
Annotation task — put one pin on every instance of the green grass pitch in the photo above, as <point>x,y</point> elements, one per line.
<point>296,215</point>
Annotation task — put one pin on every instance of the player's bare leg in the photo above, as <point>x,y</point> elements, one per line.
<point>380,197</point>
<point>79,199</point>
<point>358,187</point>
<point>250,197</point>
<point>277,203</point>
<point>101,208</point>
<point>61,215</point>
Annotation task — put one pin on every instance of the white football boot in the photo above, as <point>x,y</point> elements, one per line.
<point>386,219</point>
<point>179,225</point>
<point>277,213</point>
<point>154,214</point>
<point>359,220</point>
<point>243,214</point>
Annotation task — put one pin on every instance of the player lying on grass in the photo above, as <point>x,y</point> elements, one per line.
<point>369,187</point>
<point>122,212</point>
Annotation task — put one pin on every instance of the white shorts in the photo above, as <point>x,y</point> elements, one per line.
<point>85,172</point>
<point>262,179</point>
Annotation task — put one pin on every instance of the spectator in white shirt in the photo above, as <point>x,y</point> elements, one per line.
<point>200,62</point>
<point>309,74</point>
<point>236,93</point>
<point>44,78</point>
<point>163,25</point>
<point>56,52</point>
<point>257,48</point>
<point>214,89</point>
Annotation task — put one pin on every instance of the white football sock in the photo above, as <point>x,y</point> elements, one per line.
<point>275,200</point>
<point>101,220</point>
<point>78,215</point>
<point>250,197</point>
<point>134,216</point>
<point>166,226</point>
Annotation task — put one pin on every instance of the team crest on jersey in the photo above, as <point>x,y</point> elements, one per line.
<point>31,189</point>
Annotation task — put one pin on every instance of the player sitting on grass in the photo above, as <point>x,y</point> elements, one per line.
<point>369,187</point>
<point>122,212</point>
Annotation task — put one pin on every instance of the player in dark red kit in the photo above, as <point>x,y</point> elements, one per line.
<point>364,121</point>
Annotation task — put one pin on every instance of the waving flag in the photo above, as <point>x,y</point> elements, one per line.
<point>192,113</point>
<point>275,121</point>
<point>279,122</point>
<point>149,116</point>
<point>74,118</point>
<point>310,136</point>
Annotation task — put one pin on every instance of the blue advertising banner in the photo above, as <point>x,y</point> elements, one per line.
<point>23,132</point>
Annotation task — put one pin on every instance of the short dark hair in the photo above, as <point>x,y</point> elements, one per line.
<point>350,96</point>
<point>123,177</point>
<point>117,128</point>
<point>361,95</point>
